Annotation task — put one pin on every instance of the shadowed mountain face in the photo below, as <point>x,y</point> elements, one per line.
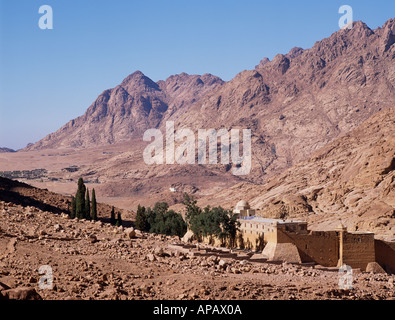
<point>4,150</point>
<point>294,105</point>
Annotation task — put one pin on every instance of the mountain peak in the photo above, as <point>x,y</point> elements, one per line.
<point>138,81</point>
<point>294,52</point>
<point>262,63</point>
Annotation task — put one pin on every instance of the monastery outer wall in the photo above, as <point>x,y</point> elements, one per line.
<point>358,250</point>
<point>385,255</point>
<point>251,241</point>
<point>320,247</point>
<point>254,229</point>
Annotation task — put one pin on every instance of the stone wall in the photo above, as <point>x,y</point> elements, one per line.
<point>320,247</point>
<point>254,229</point>
<point>287,252</point>
<point>385,255</point>
<point>251,241</point>
<point>358,249</point>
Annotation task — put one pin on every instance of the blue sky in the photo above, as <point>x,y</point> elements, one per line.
<point>48,77</point>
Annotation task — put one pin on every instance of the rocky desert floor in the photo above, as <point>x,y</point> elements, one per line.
<point>97,261</point>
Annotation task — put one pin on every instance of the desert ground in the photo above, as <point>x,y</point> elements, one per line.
<point>95,260</point>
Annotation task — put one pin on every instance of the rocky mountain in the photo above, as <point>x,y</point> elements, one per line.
<point>294,105</point>
<point>4,150</point>
<point>299,103</point>
<point>129,109</point>
<point>303,100</point>
<point>351,179</point>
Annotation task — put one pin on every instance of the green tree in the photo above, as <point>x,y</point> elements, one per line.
<point>94,206</point>
<point>80,199</point>
<point>174,224</point>
<point>161,208</point>
<point>160,220</point>
<point>87,211</point>
<point>112,219</point>
<point>118,223</point>
<point>141,222</point>
<point>73,208</point>
<point>193,215</point>
<point>159,224</point>
<point>211,222</point>
<point>151,217</point>
<point>229,225</point>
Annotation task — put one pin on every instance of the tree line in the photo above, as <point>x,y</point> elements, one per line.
<point>81,205</point>
<point>209,222</point>
<point>160,220</point>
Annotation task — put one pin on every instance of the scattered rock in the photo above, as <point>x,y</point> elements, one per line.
<point>23,293</point>
<point>159,252</point>
<point>151,257</point>
<point>130,233</point>
<point>374,267</point>
<point>92,238</point>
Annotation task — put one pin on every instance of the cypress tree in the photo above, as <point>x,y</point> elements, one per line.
<point>73,207</point>
<point>141,219</point>
<point>87,210</point>
<point>80,199</point>
<point>119,220</point>
<point>94,206</point>
<point>112,219</point>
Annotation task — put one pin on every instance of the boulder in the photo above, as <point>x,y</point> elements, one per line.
<point>159,252</point>
<point>23,293</point>
<point>374,267</point>
<point>130,233</point>
<point>151,257</point>
<point>92,238</point>
<point>222,263</point>
<point>3,286</point>
<point>188,237</point>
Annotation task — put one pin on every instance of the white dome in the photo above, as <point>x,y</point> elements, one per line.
<point>243,205</point>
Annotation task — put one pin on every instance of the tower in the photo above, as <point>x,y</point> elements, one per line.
<point>342,230</point>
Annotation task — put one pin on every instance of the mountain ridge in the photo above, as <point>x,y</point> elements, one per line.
<point>294,105</point>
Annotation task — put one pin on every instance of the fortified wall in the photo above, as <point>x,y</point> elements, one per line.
<point>291,241</point>
<point>385,254</point>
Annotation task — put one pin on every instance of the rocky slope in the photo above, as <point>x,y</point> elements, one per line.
<point>24,195</point>
<point>96,261</point>
<point>301,101</point>
<point>295,105</point>
<point>352,179</point>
